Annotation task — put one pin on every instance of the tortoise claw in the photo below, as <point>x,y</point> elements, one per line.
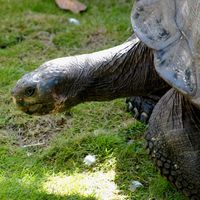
<point>141,107</point>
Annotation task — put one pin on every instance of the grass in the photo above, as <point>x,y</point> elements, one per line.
<point>31,33</point>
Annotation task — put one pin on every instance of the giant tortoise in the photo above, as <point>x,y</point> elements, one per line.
<point>163,57</point>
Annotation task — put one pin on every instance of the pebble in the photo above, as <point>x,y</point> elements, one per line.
<point>134,185</point>
<point>131,141</point>
<point>89,160</point>
<point>74,21</point>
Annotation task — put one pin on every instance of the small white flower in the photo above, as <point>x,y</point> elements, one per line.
<point>89,160</point>
<point>29,154</point>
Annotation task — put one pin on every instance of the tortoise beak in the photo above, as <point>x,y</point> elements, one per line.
<point>20,104</point>
<point>14,100</point>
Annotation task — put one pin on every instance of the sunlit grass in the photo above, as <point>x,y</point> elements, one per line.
<point>98,184</point>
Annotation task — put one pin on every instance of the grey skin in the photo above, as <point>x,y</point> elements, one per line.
<point>169,51</point>
<point>59,84</point>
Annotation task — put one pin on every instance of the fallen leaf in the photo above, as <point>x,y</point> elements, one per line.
<point>72,5</point>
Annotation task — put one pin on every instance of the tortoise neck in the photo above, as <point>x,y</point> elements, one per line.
<point>122,71</point>
<point>117,72</point>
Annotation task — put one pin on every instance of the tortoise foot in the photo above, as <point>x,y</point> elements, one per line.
<point>170,169</point>
<point>141,107</point>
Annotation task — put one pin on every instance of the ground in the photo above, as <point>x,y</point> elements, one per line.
<point>42,157</point>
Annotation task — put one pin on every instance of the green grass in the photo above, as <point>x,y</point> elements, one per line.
<point>31,33</point>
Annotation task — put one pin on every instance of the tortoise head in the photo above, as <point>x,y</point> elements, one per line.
<point>46,90</point>
<point>171,28</point>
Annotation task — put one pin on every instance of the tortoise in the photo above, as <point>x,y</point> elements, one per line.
<point>161,59</point>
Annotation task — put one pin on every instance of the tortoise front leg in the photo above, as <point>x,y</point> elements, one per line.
<point>173,141</point>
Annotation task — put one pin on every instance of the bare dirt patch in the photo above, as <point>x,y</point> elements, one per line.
<point>96,38</point>
<point>38,132</point>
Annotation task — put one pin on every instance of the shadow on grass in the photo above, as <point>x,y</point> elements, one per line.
<point>18,192</point>
<point>67,197</point>
<point>131,162</point>
<point>122,153</point>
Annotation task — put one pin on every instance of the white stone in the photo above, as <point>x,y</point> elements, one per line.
<point>134,185</point>
<point>89,160</point>
<point>74,21</point>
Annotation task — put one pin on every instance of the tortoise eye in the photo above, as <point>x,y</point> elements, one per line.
<point>29,91</point>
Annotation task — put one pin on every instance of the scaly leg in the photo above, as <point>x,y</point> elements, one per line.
<point>173,141</point>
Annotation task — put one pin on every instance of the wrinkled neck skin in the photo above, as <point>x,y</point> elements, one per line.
<point>121,71</point>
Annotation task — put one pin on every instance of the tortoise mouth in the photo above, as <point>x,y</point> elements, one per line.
<point>37,109</point>
<point>34,108</point>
